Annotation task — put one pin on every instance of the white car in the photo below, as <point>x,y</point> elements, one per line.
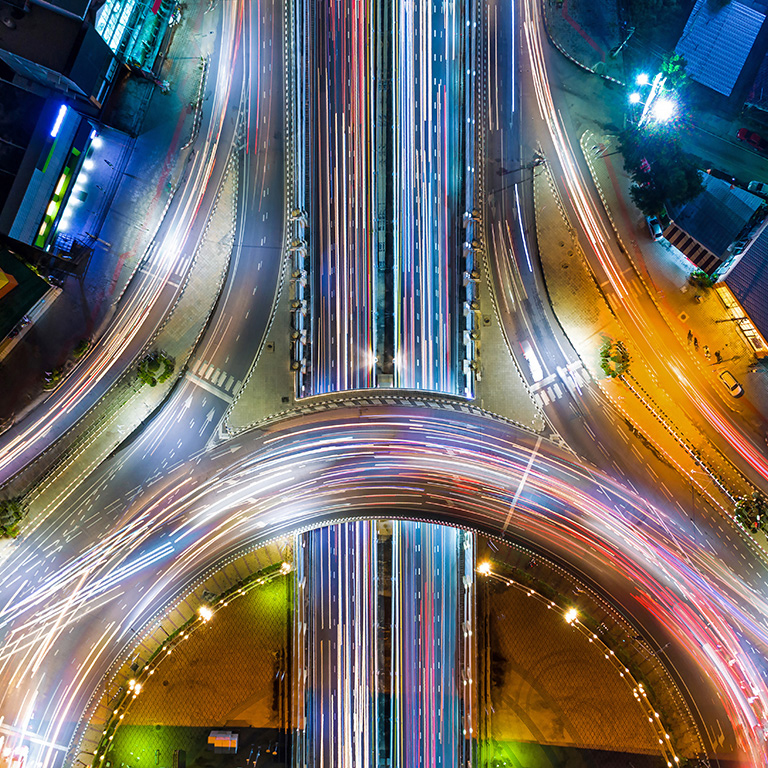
<point>731,384</point>
<point>758,187</point>
<point>654,227</point>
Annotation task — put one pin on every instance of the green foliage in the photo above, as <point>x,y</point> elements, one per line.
<point>673,68</point>
<point>81,348</point>
<point>701,279</point>
<point>155,368</point>
<point>752,512</point>
<point>662,173</point>
<point>54,379</point>
<point>614,358</point>
<point>12,512</point>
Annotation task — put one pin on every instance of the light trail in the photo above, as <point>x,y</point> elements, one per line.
<point>429,166</point>
<point>585,206</point>
<point>156,286</point>
<point>448,467</point>
<point>343,212</point>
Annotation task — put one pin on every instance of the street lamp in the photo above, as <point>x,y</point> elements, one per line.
<point>663,110</point>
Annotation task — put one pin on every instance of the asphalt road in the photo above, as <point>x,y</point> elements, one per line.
<point>158,282</point>
<point>76,588</point>
<point>74,596</point>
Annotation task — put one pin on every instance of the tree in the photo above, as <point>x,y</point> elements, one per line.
<point>673,68</point>
<point>614,358</point>
<point>700,279</point>
<point>12,512</point>
<point>752,512</point>
<point>662,173</point>
<point>155,368</point>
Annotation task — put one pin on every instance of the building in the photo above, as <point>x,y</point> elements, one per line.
<point>745,294</point>
<point>50,52</point>
<point>717,226</point>
<point>54,142</point>
<point>716,41</point>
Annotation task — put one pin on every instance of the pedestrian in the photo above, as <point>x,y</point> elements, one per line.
<point>696,343</point>
<point>718,357</point>
<point>706,351</point>
<point>108,163</point>
<point>690,336</point>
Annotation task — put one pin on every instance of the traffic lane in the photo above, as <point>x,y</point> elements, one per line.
<point>343,200</point>
<point>662,649</point>
<point>145,301</point>
<point>447,500</point>
<point>651,334</point>
<point>735,425</point>
<point>726,153</point>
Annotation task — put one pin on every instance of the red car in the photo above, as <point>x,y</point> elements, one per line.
<point>753,139</point>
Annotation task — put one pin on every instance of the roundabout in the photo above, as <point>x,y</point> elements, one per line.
<point>62,640</point>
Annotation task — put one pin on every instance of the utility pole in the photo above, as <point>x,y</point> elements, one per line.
<point>615,51</point>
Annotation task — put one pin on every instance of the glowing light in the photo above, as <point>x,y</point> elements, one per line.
<point>634,98</point>
<point>58,121</point>
<point>571,615</point>
<point>642,79</point>
<point>484,568</point>
<point>206,614</point>
<point>285,567</point>
<point>663,110</point>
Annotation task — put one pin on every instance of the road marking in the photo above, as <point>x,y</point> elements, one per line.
<point>208,387</point>
<point>522,483</point>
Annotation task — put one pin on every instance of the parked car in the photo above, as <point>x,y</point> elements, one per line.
<point>753,139</point>
<point>758,187</point>
<point>731,384</point>
<point>654,226</point>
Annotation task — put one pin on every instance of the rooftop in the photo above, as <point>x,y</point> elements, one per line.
<point>749,282</point>
<point>718,215</point>
<point>716,43</point>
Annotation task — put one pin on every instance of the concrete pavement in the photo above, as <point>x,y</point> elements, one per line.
<point>127,406</point>
<point>666,272</point>
<point>584,312</point>
<point>586,31</point>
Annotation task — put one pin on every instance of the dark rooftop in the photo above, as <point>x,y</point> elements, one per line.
<point>749,282</point>
<point>43,37</point>
<point>76,7</point>
<point>718,215</point>
<point>716,42</point>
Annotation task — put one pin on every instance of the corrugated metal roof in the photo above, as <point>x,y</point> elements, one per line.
<point>717,216</point>
<point>749,282</point>
<point>716,43</point>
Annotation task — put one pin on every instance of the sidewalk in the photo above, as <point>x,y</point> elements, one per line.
<point>586,318</point>
<point>665,271</point>
<point>585,31</point>
<point>128,186</point>
<point>127,405</point>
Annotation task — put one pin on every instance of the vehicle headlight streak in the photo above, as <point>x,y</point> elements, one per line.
<point>594,230</point>
<point>389,465</point>
<point>162,259</point>
<point>428,162</point>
